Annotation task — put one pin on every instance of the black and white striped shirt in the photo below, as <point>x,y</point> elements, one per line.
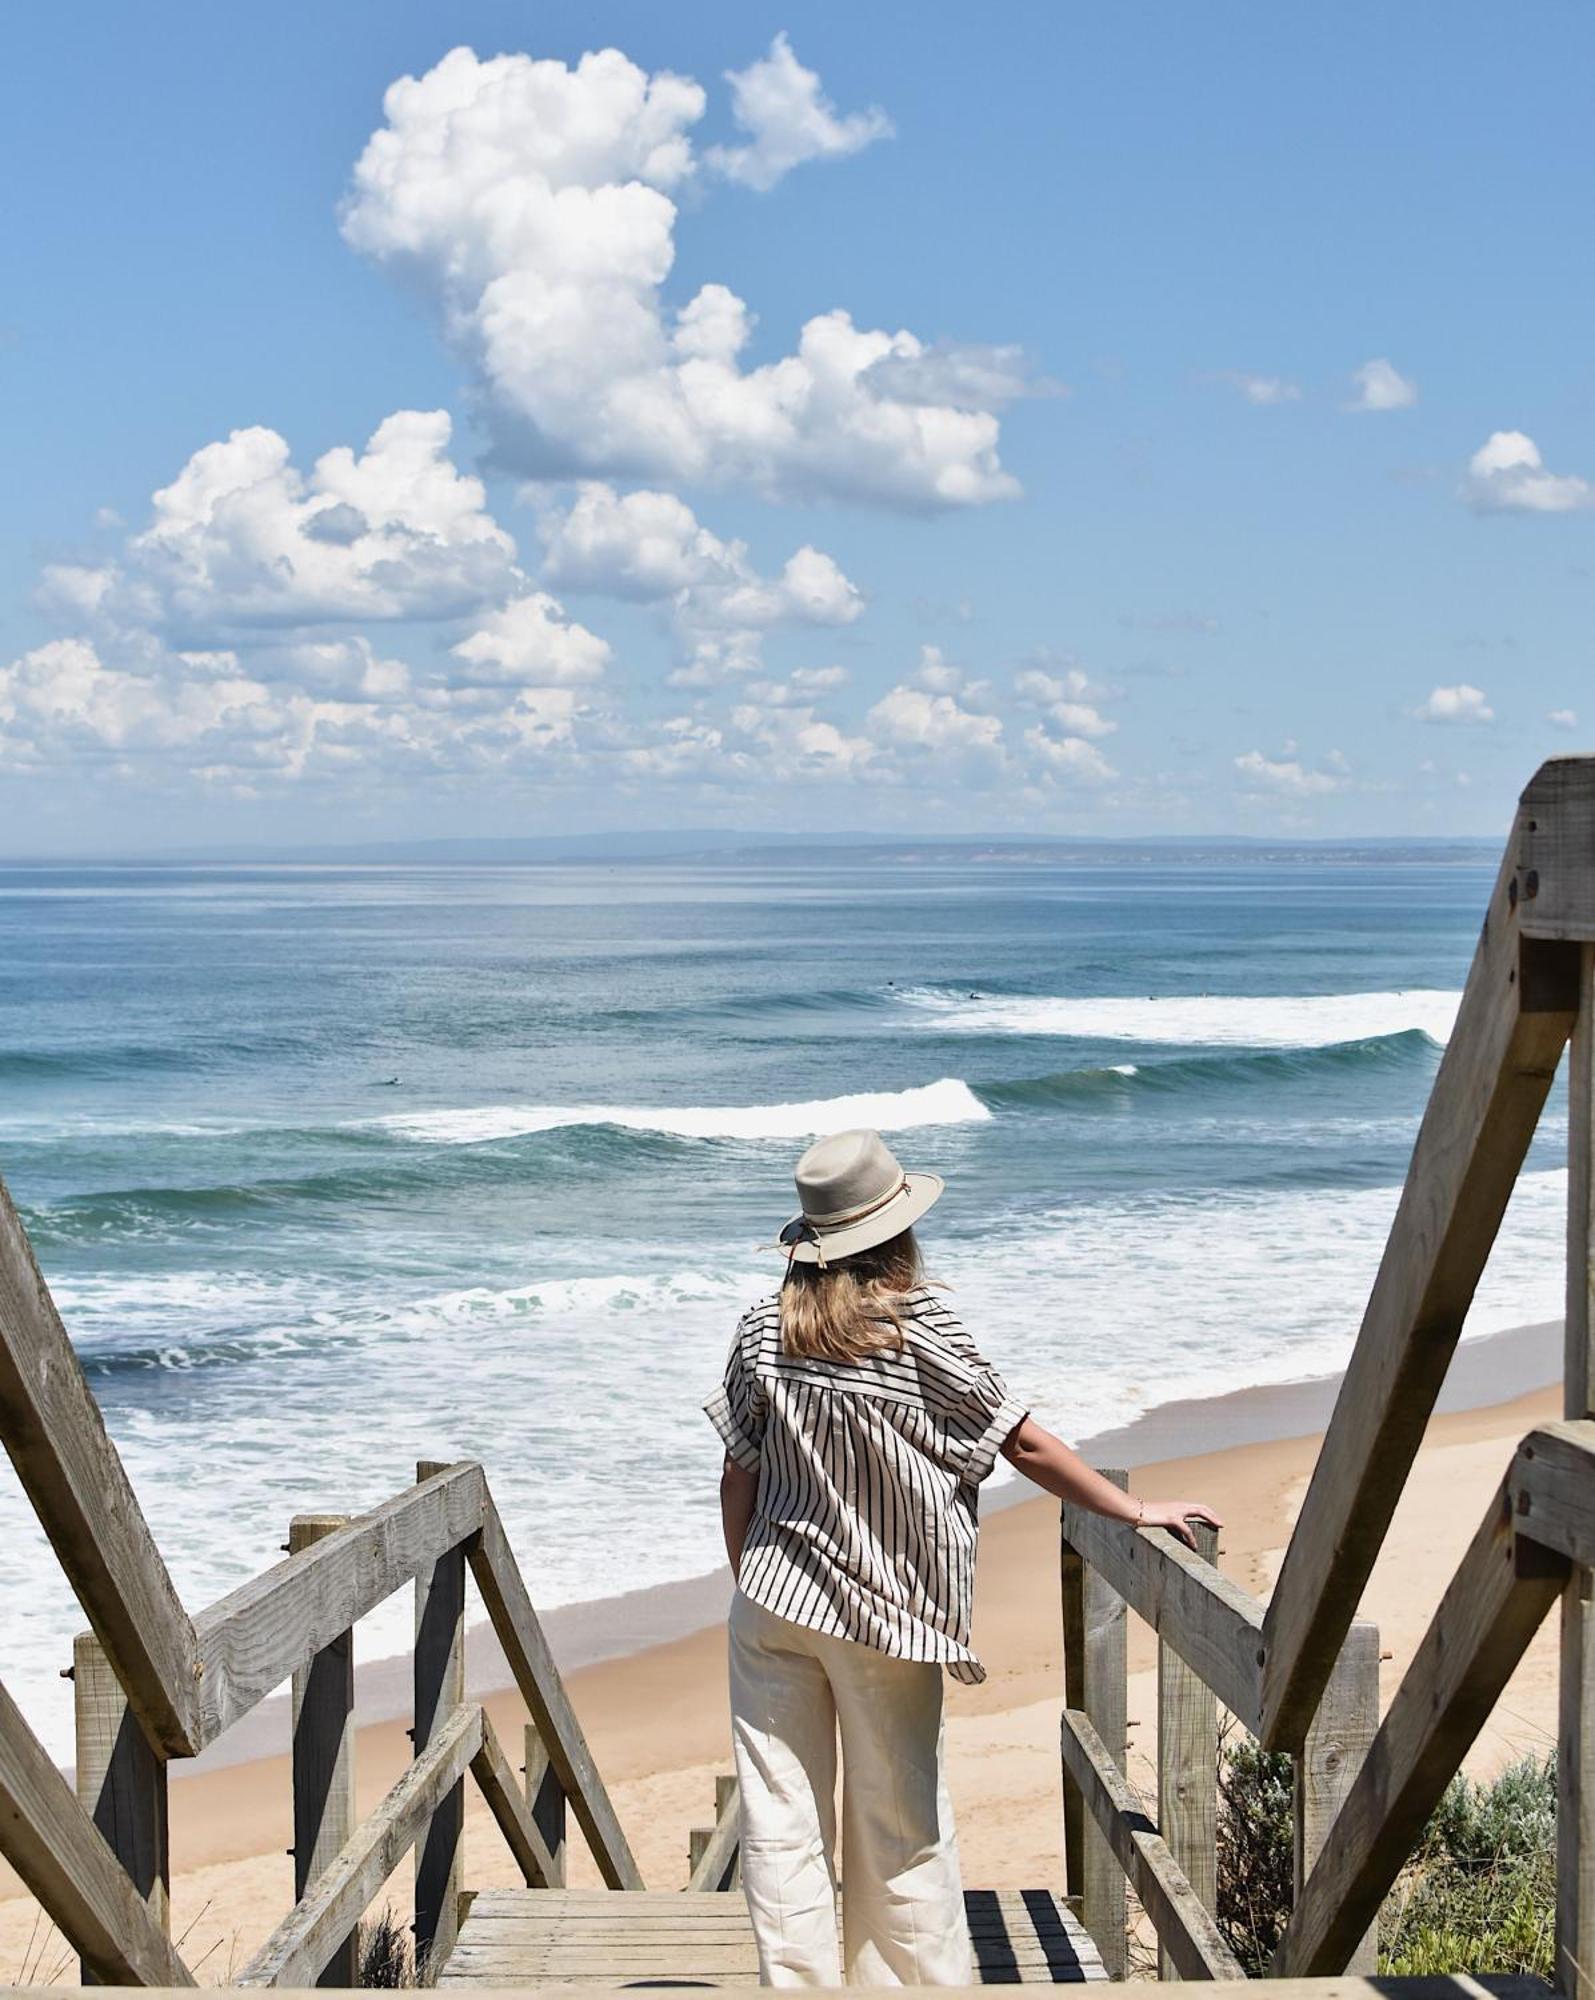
<point>866,1517</point>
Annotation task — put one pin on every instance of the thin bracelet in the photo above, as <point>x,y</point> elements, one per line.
<point>1140,1512</point>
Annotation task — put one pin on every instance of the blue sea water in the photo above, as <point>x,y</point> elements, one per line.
<point>332,1168</point>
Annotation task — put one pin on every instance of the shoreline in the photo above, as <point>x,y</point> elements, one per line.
<point>654,1706</point>
<point>1485,1371</point>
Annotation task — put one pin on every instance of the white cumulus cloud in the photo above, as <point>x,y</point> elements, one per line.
<point>913,718</point>
<point>1455,704</point>
<point>1507,474</point>
<point>788,119</point>
<point>1286,775</point>
<point>1071,699</point>
<point>1562,718</point>
<point>532,202</point>
<point>1379,386</point>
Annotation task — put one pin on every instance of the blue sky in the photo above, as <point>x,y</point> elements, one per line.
<point>1094,538</point>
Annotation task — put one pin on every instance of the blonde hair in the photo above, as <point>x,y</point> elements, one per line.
<point>851,1309</point>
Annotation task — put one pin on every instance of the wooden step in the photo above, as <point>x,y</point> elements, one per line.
<point>597,1937</point>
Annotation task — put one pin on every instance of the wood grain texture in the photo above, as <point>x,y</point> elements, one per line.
<point>1575,1729</point>
<point>439,1680</point>
<point>1551,1486</point>
<point>521,1938</point>
<point>1492,1608</point>
<point>1517,1011</point>
<point>1556,850</point>
<point>545,1797</point>
<point>1187,1930</point>
<point>300,1946</point>
<point>1187,1766</point>
<point>75,1479</point>
<point>60,1855</point>
<point>715,1868</point>
<point>1326,1767</point>
<point>1104,1699</point>
<point>322,1758</point>
<point>1071,1581</point>
<point>1214,1625</point>
<point>253,1639</point>
<point>520,1633</point>
<point>120,1778</point>
<point>524,1838</point>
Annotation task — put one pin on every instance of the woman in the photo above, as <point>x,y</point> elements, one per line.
<point>859,1419</point>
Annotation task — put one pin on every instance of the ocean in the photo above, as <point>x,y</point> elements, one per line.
<point>335,1168</point>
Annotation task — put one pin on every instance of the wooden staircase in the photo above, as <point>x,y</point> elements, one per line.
<point>586,1937</point>
<point>154,1683</point>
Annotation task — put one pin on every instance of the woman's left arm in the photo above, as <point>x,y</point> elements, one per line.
<point>1057,1470</point>
<point>739,1489</point>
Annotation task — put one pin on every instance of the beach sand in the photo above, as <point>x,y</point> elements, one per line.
<point>655,1709</point>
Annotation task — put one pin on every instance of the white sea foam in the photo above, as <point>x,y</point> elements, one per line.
<point>1284,1021</point>
<point>947,1102</point>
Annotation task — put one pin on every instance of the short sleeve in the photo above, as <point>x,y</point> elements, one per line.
<point>737,1409</point>
<point>970,1406</point>
<point>979,1423</point>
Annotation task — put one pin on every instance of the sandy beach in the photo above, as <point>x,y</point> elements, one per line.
<point>655,1712</point>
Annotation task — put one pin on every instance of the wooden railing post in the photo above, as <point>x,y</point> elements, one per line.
<point>323,1755</point>
<point>1187,1767</point>
<point>121,1779</point>
<point>1575,1752</point>
<point>1327,1767</point>
<point>545,1798</point>
<point>439,1690</point>
<point>1095,1669</point>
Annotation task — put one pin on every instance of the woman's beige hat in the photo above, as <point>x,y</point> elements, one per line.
<point>854,1195</point>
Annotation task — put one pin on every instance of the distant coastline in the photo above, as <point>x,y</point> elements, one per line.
<point>717,847</point>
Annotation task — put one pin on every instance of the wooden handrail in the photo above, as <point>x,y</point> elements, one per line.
<point>1492,1608</point>
<point>520,1633</point>
<point>1214,1625</point>
<point>60,1854</point>
<point>1186,1930</point>
<point>251,1640</point>
<point>302,1944</point>
<point>524,1838</point>
<point>718,1859</point>
<point>1551,1489</point>
<point>79,1488</point>
<point>1517,1012</point>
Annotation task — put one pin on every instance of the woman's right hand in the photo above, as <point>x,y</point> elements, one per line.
<point>1176,1516</point>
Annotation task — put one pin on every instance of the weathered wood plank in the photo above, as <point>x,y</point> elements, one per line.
<point>1327,1765</point>
<point>545,1797</point>
<point>1187,1766</point>
<point>1193,1938</point>
<point>121,1780</point>
<point>1214,1625</point>
<point>1490,1611</point>
<point>496,1781</point>
<point>56,1849</point>
<point>1071,1582</point>
<point>323,1755</point>
<point>715,1867</point>
<point>1517,1011</point>
<point>1556,851</point>
<point>1104,1697</point>
<point>74,1476</point>
<point>296,1951</point>
<point>439,1679</point>
<point>252,1640</point>
<point>1552,1488</point>
<point>1575,1735</point>
<point>521,1635</point>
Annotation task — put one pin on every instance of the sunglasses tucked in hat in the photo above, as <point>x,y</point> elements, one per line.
<point>853,1195</point>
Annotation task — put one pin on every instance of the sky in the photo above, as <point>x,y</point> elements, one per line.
<point>493,419</point>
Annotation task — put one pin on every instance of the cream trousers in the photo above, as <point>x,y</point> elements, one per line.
<point>902,1900</point>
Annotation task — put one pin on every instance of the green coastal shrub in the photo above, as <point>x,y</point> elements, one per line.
<point>1480,1893</point>
<point>1478,1896</point>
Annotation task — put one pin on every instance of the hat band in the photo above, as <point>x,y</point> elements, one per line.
<point>844,1218</point>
